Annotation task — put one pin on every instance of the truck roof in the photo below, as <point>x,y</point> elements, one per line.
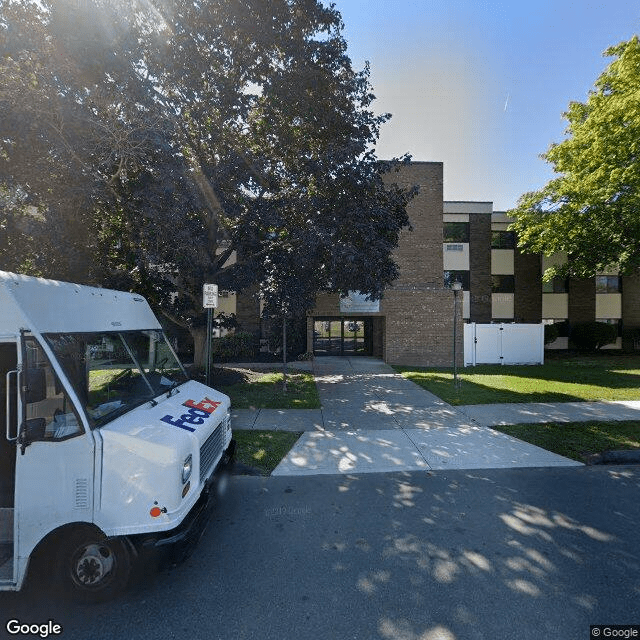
<point>49,306</point>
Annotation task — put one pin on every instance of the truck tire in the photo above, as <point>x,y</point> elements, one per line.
<point>92,567</point>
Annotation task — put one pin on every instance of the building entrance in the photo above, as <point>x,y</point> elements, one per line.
<point>342,337</point>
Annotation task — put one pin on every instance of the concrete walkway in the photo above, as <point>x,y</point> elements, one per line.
<point>372,419</point>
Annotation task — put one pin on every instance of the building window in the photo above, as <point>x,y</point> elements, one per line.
<point>455,232</point>
<point>608,284</point>
<point>503,240</point>
<point>557,285</point>
<point>503,284</point>
<point>461,276</point>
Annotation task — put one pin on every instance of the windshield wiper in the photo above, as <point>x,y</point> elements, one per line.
<point>124,408</point>
<point>174,385</point>
<point>112,415</point>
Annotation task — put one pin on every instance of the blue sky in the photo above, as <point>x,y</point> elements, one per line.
<point>445,69</point>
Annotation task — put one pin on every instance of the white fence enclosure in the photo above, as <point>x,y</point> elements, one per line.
<point>503,344</point>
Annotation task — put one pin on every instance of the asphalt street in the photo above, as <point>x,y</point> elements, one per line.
<point>424,555</point>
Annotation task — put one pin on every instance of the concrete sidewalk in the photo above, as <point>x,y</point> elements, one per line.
<point>372,420</point>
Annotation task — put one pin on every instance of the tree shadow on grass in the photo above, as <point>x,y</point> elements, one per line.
<point>619,374</point>
<point>476,393</point>
<point>579,441</point>
<point>611,373</point>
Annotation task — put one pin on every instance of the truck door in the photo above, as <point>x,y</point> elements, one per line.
<point>8,436</point>
<point>55,459</point>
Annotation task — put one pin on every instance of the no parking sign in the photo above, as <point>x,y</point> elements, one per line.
<point>210,296</point>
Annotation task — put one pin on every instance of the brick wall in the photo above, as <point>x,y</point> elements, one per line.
<point>582,300</point>
<point>480,266</point>
<point>419,328</point>
<point>419,252</point>
<point>378,337</point>
<point>630,309</point>
<point>631,299</point>
<point>418,310</point>
<point>528,287</point>
<point>415,323</point>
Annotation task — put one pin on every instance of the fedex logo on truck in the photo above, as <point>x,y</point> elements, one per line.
<point>196,414</point>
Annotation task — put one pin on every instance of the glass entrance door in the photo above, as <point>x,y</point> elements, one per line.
<point>342,336</point>
<point>353,337</point>
<point>327,337</point>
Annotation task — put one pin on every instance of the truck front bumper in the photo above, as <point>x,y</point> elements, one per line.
<point>176,545</point>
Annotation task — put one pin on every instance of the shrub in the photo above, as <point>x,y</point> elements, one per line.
<point>551,333</point>
<point>589,336</point>
<point>563,328</point>
<point>234,346</point>
<point>630,338</point>
<point>296,336</point>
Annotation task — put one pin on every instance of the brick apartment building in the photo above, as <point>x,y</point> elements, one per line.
<point>501,284</point>
<point>468,242</point>
<point>413,323</point>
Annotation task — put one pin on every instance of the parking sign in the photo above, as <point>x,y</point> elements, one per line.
<point>210,296</point>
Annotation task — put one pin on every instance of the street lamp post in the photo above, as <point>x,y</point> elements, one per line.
<point>456,286</point>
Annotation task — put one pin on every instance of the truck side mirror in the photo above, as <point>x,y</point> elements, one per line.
<point>35,385</point>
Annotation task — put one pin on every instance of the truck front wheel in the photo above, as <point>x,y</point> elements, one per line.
<point>92,567</point>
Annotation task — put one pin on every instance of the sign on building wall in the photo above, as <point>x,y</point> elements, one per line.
<point>356,302</point>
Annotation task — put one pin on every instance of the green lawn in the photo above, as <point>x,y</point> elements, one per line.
<point>577,440</point>
<point>560,379</point>
<point>263,450</point>
<point>263,390</point>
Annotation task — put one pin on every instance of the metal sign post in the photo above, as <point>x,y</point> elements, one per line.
<point>209,302</point>
<point>457,287</point>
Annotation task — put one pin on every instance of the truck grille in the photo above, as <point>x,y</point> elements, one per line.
<point>210,451</point>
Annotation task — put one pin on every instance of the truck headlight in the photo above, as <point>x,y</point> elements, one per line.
<point>187,466</point>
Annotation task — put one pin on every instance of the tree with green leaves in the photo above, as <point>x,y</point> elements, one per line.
<point>591,211</point>
<point>157,140</point>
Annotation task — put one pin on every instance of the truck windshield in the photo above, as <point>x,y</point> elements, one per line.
<point>114,372</point>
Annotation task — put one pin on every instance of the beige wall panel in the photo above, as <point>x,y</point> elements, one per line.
<point>502,262</point>
<point>466,304</point>
<point>455,217</point>
<point>557,259</point>
<point>609,305</point>
<point>502,305</point>
<point>555,305</point>
<point>455,260</point>
<point>611,270</point>
<point>226,305</point>
<point>500,217</point>
<point>470,206</point>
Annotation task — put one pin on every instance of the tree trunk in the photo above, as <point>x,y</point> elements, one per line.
<point>199,335</point>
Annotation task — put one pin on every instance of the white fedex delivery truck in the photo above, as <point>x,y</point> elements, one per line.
<point>108,450</point>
